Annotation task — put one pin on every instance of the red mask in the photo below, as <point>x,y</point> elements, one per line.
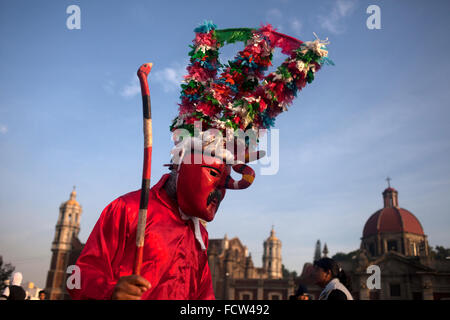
<point>201,187</point>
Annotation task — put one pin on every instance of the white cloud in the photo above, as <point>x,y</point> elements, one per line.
<point>131,89</point>
<point>334,21</point>
<point>274,14</point>
<point>345,7</point>
<point>171,77</point>
<point>3,129</point>
<point>296,26</point>
<point>109,86</point>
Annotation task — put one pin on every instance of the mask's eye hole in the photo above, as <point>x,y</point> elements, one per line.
<point>213,173</point>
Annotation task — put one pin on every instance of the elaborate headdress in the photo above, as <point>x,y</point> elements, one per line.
<point>238,99</point>
<point>238,95</point>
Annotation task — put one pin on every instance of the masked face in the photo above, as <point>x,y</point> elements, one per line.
<point>200,187</point>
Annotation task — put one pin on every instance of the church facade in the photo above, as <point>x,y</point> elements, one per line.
<point>235,277</point>
<point>393,239</point>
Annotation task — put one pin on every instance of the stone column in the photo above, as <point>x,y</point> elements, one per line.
<point>363,290</point>
<point>427,285</point>
<point>291,288</point>
<point>408,292</point>
<point>405,245</point>
<point>260,290</point>
<point>379,248</point>
<point>384,292</point>
<point>231,291</point>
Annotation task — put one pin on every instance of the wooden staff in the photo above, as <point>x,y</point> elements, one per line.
<point>142,73</point>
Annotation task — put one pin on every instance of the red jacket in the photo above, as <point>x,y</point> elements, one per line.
<point>173,261</point>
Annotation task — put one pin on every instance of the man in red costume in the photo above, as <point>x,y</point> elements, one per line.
<point>175,263</point>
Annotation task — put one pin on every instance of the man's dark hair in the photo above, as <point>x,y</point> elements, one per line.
<point>328,264</point>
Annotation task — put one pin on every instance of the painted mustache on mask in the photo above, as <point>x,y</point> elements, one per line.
<point>215,195</point>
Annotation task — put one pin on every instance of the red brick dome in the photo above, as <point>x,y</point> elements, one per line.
<point>392,218</point>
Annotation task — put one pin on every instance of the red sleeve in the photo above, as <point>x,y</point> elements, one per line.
<point>104,247</point>
<point>205,290</point>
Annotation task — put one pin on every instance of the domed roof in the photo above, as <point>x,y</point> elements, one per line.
<point>272,236</point>
<point>72,201</point>
<point>392,220</point>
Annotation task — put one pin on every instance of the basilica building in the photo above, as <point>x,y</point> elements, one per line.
<point>394,240</point>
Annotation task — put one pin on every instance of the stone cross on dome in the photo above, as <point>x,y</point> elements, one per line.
<point>388,181</point>
<point>73,194</point>
<point>390,195</point>
<point>272,231</point>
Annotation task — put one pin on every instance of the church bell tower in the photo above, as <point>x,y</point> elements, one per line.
<point>66,230</point>
<point>272,256</point>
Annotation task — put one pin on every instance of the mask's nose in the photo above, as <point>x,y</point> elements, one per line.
<point>248,175</point>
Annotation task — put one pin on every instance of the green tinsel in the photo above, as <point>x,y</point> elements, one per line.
<point>231,124</point>
<point>284,72</point>
<point>251,109</point>
<point>213,100</point>
<point>250,85</point>
<point>188,127</point>
<point>307,57</point>
<point>233,35</point>
<point>310,76</point>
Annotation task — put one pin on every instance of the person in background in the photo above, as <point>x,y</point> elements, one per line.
<point>15,291</point>
<point>42,295</point>
<point>306,279</point>
<point>330,276</point>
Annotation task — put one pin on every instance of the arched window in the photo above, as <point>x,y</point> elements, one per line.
<point>372,249</point>
<point>275,296</point>
<point>392,245</point>
<point>245,295</point>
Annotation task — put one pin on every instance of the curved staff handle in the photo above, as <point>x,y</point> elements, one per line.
<point>142,73</point>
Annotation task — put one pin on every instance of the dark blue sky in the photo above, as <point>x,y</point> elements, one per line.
<point>70,114</point>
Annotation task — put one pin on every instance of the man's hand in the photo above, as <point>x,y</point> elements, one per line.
<point>130,288</point>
